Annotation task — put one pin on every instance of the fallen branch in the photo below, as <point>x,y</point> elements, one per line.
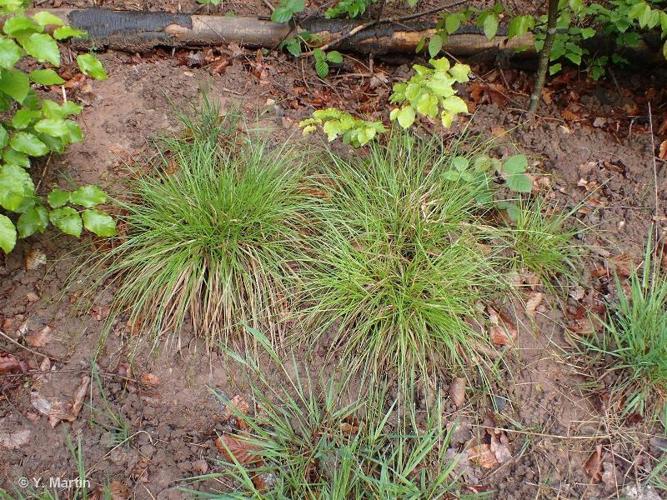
<point>395,19</point>
<point>136,31</point>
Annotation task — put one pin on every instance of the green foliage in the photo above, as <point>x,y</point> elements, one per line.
<point>634,341</point>
<point>430,92</point>
<point>322,60</point>
<point>35,127</point>
<point>286,10</point>
<point>335,123</point>
<point>209,2</point>
<point>400,262</point>
<point>349,8</point>
<point>294,44</point>
<point>315,442</point>
<point>621,20</point>
<point>479,172</point>
<point>215,238</point>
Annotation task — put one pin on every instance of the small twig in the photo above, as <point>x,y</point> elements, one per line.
<point>395,19</point>
<point>269,5</point>
<point>3,334</point>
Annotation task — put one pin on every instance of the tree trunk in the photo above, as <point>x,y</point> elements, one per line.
<point>545,53</point>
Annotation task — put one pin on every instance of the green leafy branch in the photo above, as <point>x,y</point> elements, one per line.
<point>430,92</point>
<point>34,127</point>
<point>336,123</point>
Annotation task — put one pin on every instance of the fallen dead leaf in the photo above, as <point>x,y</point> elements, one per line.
<point>13,439</point>
<point>149,380</point>
<point>40,338</point>
<point>663,150</point>
<point>483,456</point>
<point>9,364</point>
<point>34,258</point>
<point>532,304</point>
<point>502,331</point>
<point>119,491</point>
<point>57,410</point>
<point>235,448</point>
<point>500,447</point>
<point>593,466</point>
<point>457,391</point>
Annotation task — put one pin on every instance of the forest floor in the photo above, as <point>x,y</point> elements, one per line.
<point>592,147</point>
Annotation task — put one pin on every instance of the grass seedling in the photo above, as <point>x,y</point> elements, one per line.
<point>543,244</point>
<point>104,416</point>
<point>211,235</point>
<point>308,443</point>
<point>634,341</point>
<point>403,259</point>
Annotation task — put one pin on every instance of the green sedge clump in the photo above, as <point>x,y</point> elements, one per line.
<point>211,235</point>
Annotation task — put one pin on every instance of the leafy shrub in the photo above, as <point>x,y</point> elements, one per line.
<point>402,260</point>
<point>34,127</point>
<point>211,234</point>
<point>622,21</point>
<point>634,342</point>
<point>335,123</point>
<point>429,92</point>
<point>306,442</point>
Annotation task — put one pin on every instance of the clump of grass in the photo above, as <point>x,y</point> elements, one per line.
<point>634,341</point>
<point>307,442</point>
<point>211,234</point>
<point>403,259</point>
<point>543,244</point>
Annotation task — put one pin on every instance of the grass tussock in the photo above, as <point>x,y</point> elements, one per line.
<point>211,234</point>
<point>402,261</point>
<point>633,344</point>
<point>306,442</point>
<point>543,244</point>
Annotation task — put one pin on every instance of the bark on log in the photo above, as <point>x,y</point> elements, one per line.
<point>137,31</point>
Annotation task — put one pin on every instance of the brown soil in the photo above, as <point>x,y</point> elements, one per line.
<point>605,170</point>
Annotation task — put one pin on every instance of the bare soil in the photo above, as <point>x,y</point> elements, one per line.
<point>592,150</point>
